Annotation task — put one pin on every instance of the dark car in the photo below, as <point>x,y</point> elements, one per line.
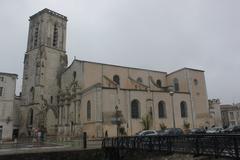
<point>232,129</point>
<point>172,131</point>
<point>147,133</point>
<point>197,131</point>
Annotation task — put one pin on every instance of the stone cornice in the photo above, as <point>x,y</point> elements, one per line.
<point>48,11</point>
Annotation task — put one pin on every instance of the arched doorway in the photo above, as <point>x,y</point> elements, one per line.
<point>51,123</point>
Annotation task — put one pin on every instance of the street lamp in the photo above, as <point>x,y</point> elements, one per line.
<point>173,114</point>
<point>117,119</point>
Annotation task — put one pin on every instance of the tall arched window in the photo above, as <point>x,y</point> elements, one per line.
<point>51,99</point>
<point>1,91</point>
<point>176,84</point>
<point>159,83</point>
<point>58,99</point>
<point>55,35</point>
<point>88,110</point>
<point>162,109</point>
<point>74,75</point>
<point>30,116</point>
<point>32,90</point>
<point>184,111</point>
<point>195,82</point>
<point>116,79</point>
<point>135,109</point>
<point>36,37</point>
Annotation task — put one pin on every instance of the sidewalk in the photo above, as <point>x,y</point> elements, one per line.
<point>20,148</point>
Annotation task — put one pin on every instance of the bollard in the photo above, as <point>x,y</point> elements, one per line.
<point>84,139</point>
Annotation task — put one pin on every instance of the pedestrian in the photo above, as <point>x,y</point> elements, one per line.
<point>106,134</point>
<point>42,136</point>
<point>38,135</point>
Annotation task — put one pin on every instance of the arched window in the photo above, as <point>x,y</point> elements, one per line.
<point>159,83</point>
<point>88,110</point>
<point>162,109</point>
<point>183,106</point>
<point>31,117</point>
<point>32,90</point>
<point>135,109</point>
<point>51,99</point>
<point>1,91</point>
<point>176,84</point>
<point>195,81</point>
<point>139,80</point>
<point>58,99</point>
<point>74,75</point>
<point>55,35</point>
<point>116,79</point>
<point>36,37</point>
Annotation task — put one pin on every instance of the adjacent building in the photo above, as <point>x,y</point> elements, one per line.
<point>230,114</point>
<point>226,115</point>
<point>215,113</point>
<point>100,99</point>
<point>7,105</point>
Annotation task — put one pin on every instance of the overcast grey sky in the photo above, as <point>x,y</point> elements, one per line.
<point>161,35</point>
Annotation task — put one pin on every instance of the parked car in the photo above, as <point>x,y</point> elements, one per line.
<point>171,131</point>
<point>232,129</point>
<point>214,130</point>
<point>197,131</point>
<point>147,133</point>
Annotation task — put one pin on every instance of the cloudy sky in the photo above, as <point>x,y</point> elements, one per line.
<point>161,35</point>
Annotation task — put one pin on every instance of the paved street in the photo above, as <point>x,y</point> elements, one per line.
<point>11,148</point>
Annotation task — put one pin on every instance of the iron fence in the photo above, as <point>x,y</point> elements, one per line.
<point>217,145</point>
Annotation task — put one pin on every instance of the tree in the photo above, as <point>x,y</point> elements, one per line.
<point>122,131</point>
<point>186,126</point>
<point>163,126</point>
<point>146,122</point>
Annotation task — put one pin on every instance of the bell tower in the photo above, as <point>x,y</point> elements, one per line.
<point>44,61</point>
<point>47,28</point>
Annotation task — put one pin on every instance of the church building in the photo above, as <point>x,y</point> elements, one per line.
<point>101,99</point>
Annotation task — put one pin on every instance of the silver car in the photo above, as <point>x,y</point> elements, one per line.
<point>214,130</point>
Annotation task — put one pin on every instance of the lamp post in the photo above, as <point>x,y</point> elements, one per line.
<point>117,119</point>
<point>173,114</point>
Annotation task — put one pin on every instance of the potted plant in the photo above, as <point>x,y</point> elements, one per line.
<point>186,126</point>
<point>163,126</point>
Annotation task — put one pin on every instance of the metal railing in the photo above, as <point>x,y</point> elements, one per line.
<point>217,145</point>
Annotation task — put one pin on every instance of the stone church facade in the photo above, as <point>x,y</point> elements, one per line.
<point>100,98</point>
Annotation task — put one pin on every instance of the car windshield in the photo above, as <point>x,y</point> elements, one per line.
<point>166,130</point>
<point>161,131</point>
<point>138,132</point>
<point>148,132</point>
<point>194,129</point>
<point>213,129</point>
